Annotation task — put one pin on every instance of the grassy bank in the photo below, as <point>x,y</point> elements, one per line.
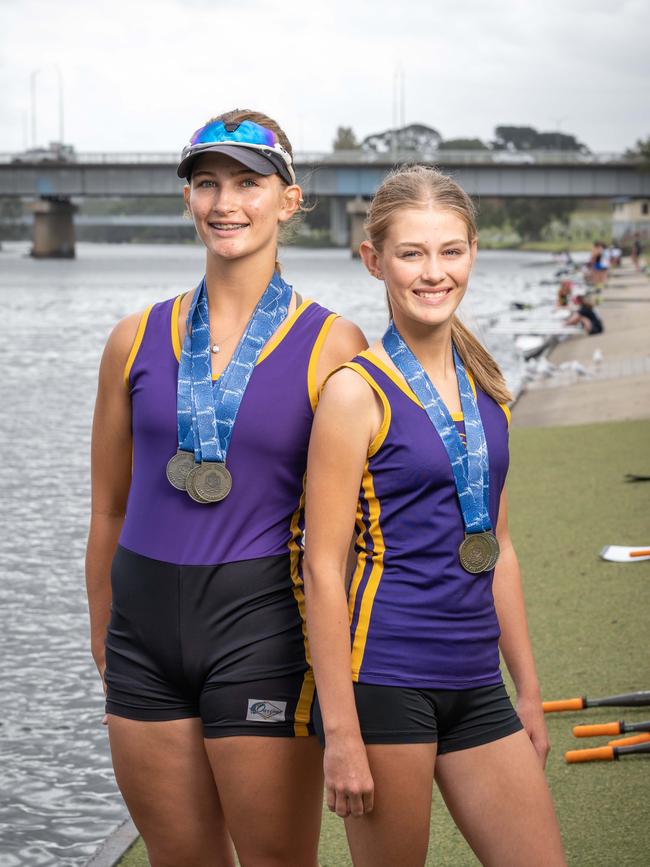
<point>590,625</point>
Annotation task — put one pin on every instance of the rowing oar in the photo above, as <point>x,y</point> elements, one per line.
<point>613,728</point>
<point>628,699</point>
<point>643,738</point>
<point>605,754</point>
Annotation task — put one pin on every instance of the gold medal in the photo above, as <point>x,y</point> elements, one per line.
<point>479,552</point>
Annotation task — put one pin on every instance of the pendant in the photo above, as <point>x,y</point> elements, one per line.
<point>215,348</point>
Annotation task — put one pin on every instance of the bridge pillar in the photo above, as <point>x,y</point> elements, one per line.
<point>53,231</point>
<point>339,230</point>
<point>357,210</point>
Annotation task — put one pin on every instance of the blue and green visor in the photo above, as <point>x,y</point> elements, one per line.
<point>251,144</point>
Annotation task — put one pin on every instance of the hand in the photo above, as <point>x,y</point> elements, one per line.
<point>531,714</point>
<point>348,781</point>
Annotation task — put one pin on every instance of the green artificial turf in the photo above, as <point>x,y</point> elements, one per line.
<point>590,625</point>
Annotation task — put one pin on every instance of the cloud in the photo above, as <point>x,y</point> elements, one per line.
<point>142,76</point>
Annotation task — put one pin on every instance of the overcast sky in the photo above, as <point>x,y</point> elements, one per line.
<point>143,75</point>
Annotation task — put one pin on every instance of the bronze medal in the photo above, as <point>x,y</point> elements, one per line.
<point>209,482</point>
<point>479,552</point>
<point>178,469</point>
<point>191,490</point>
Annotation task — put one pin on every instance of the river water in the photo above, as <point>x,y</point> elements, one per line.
<point>58,799</point>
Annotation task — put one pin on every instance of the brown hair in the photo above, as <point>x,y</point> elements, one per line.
<point>238,115</point>
<point>420,187</point>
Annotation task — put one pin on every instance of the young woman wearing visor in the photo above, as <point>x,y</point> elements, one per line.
<point>200,436</point>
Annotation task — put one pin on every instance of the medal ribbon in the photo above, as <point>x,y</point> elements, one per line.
<point>206,411</point>
<point>470,465</point>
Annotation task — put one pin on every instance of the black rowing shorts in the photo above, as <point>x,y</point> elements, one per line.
<point>455,719</point>
<point>223,643</point>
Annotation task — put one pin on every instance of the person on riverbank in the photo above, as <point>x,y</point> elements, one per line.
<point>200,436</point>
<point>410,444</point>
<point>564,293</point>
<point>586,316</point>
<point>636,251</point>
<point>598,269</point>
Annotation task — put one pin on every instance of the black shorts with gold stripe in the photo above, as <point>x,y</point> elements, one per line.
<point>223,643</point>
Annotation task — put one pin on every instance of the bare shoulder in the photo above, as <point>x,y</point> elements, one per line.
<point>121,340</point>
<point>346,392</point>
<point>344,341</point>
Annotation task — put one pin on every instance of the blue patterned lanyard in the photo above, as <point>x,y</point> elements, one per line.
<point>470,465</point>
<point>206,411</point>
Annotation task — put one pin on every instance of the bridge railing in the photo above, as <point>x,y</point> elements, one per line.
<point>346,158</point>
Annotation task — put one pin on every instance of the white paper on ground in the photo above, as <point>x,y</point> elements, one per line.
<point>621,554</point>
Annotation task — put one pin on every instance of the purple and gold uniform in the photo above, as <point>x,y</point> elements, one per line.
<point>424,632</point>
<point>208,606</point>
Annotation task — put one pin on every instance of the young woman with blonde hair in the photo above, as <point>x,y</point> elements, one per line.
<point>410,446</point>
<point>202,422</point>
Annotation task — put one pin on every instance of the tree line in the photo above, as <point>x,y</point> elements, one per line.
<point>425,141</point>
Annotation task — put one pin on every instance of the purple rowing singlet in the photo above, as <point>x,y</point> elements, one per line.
<point>417,618</point>
<point>267,457</point>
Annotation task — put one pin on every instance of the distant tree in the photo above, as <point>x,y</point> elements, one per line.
<point>640,149</point>
<point>529,217</point>
<point>416,137</point>
<point>491,213</point>
<point>526,138</point>
<point>345,139</point>
<point>518,138</point>
<point>560,141</point>
<point>462,144</point>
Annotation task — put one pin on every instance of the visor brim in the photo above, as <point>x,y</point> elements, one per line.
<point>255,160</point>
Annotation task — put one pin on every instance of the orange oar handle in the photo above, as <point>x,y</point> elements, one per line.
<point>599,754</point>
<point>627,742</point>
<point>564,704</point>
<point>595,730</point>
<point>644,552</point>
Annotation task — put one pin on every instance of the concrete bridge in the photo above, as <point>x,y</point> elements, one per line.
<point>344,178</point>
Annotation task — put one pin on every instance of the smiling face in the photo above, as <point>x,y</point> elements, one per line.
<point>425,261</point>
<point>237,212</point>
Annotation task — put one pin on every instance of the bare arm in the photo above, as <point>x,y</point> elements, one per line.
<point>515,639</point>
<point>111,477</point>
<point>346,420</point>
<point>344,340</point>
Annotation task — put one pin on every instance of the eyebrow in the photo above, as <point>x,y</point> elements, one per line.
<point>424,243</point>
<point>211,174</point>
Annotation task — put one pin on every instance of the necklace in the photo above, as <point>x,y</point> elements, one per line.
<point>216,346</point>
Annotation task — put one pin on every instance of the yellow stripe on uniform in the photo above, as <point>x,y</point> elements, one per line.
<point>313,359</point>
<point>391,374</point>
<point>362,560</point>
<point>282,331</point>
<point>363,623</point>
<point>303,708</point>
<point>136,344</point>
<point>506,412</point>
<point>176,340</point>
<point>402,384</point>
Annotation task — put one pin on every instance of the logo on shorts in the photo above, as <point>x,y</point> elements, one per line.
<point>266,711</point>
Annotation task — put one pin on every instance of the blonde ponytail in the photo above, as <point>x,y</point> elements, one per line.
<point>478,361</point>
